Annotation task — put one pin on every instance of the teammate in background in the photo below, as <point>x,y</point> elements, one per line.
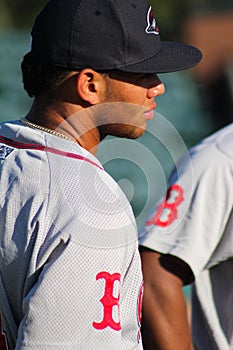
<point>189,237</point>
<point>70,271</point>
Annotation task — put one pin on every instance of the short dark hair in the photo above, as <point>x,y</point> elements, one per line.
<point>39,79</point>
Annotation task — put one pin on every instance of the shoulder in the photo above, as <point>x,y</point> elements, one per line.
<point>224,141</point>
<point>92,206</point>
<point>80,197</point>
<point>219,142</point>
<point>214,151</point>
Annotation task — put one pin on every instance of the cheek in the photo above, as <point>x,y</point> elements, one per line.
<point>117,91</point>
<point>135,95</point>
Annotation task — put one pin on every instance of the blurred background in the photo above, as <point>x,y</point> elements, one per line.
<point>196,103</point>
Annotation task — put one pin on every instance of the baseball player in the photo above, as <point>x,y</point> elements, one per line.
<point>70,271</point>
<point>189,237</point>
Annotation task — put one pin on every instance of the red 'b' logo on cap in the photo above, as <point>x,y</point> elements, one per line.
<point>152,27</point>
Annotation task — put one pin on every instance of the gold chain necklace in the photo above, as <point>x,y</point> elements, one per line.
<point>43,128</point>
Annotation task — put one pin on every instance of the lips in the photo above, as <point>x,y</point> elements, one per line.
<point>150,113</point>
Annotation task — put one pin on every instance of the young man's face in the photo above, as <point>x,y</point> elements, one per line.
<point>135,95</point>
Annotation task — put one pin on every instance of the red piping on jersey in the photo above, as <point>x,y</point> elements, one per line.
<point>38,147</point>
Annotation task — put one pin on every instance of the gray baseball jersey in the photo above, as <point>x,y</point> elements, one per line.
<point>195,223</point>
<point>70,273</point>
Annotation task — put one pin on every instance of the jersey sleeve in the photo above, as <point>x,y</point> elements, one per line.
<point>191,219</point>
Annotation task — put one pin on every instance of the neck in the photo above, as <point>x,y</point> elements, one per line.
<point>75,122</point>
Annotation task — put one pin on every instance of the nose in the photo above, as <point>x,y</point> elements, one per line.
<point>157,89</point>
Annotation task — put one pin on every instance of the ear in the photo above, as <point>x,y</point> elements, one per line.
<point>90,86</point>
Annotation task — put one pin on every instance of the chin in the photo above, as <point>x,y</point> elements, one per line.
<point>133,135</point>
<point>137,133</point>
<point>125,131</point>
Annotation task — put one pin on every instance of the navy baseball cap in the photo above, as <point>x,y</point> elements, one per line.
<point>106,35</point>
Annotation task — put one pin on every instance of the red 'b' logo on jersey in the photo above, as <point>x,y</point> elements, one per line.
<point>109,301</point>
<point>167,211</point>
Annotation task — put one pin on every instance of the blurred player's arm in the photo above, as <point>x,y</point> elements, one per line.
<point>165,324</point>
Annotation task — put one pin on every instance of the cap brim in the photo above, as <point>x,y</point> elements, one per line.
<point>171,57</point>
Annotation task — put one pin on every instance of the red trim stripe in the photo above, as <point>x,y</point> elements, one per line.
<point>38,147</point>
